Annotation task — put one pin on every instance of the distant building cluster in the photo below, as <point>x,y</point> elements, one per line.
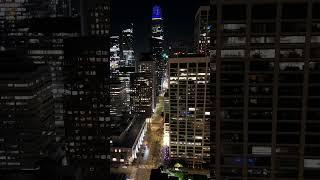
<point>243,103</point>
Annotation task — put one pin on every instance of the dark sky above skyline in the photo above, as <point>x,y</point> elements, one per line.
<point>178,16</point>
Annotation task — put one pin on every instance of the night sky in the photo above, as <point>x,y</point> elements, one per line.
<point>178,16</point>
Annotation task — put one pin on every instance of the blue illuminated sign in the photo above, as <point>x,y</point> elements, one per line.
<point>156,12</point>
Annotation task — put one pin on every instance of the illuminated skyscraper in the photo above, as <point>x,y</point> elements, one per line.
<point>127,49</point>
<point>142,86</point>
<point>189,110</point>
<point>157,44</point>
<point>114,56</point>
<point>127,61</point>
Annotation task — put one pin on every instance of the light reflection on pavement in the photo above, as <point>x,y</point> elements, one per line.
<point>141,168</point>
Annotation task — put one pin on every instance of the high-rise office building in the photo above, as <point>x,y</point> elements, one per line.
<point>141,96</point>
<point>189,110</point>
<point>115,56</point>
<point>86,71</point>
<point>45,46</point>
<point>127,61</point>
<point>157,46</point>
<point>147,65</point>
<point>26,113</point>
<point>95,17</point>
<point>117,98</point>
<point>12,32</point>
<point>127,49</point>
<point>86,104</point>
<point>124,77</point>
<point>265,89</point>
<point>201,30</point>
<point>60,8</point>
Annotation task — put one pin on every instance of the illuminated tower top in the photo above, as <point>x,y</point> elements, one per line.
<point>156,12</point>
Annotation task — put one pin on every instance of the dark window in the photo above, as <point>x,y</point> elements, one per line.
<point>293,27</point>
<point>294,11</point>
<point>260,126</point>
<point>266,11</point>
<point>183,65</point>
<point>263,27</point>
<point>173,65</point>
<point>288,127</point>
<point>315,10</point>
<point>234,12</point>
<point>213,12</point>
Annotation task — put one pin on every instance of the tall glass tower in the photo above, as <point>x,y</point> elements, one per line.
<point>157,46</point>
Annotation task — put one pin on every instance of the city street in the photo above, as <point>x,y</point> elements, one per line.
<point>149,156</point>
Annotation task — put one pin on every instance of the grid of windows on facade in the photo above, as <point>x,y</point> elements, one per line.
<point>202,29</point>
<point>265,61</point>
<point>26,115</point>
<point>127,48</point>
<point>141,98</point>
<point>98,17</point>
<point>87,103</point>
<point>189,113</point>
<point>10,13</point>
<point>117,98</point>
<point>45,46</point>
<point>115,56</point>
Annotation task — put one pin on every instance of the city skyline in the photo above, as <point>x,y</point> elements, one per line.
<point>159,90</point>
<point>178,11</point>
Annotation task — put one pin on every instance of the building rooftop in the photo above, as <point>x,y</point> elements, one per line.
<point>186,55</point>
<point>186,59</point>
<point>128,137</point>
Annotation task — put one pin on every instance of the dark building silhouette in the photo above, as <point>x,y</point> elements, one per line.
<point>26,113</point>
<point>265,88</point>
<point>95,17</point>
<point>201,30</point>
<point>86,72</point>
<point>87,104</point>
<point>13,12</point>
<point>45,46</point>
